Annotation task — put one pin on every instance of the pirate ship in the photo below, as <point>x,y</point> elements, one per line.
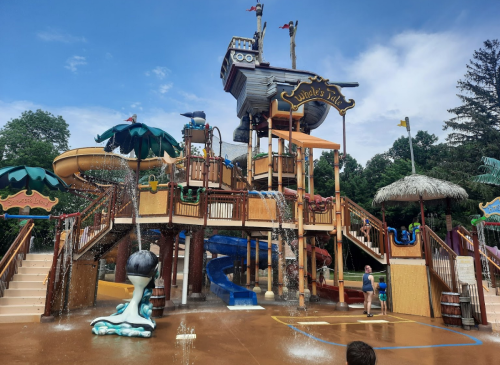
<point>257,86</point>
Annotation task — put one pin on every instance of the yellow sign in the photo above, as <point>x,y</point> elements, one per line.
<point>22,200</point>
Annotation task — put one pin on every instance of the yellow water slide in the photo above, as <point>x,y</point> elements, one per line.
<point>70,165</point>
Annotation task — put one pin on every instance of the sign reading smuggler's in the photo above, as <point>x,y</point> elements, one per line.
<point>22,199</point>
<point>318,89</point>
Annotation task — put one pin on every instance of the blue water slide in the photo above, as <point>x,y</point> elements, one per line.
<point>234,248</point>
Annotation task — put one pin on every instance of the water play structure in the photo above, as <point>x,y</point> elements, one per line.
<point>259,195</point>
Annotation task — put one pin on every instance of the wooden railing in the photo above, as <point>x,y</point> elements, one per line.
<point>124,207</point>
<point>442,263</point>
<point>241,43</point>
<point>442,260</point>
<point>354,220</point>
<point>15,255</point>
<point>94,220</point>
<point>261,165</point>
<point>319,217</point>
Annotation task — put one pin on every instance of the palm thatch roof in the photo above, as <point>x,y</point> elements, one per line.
<point>411,188</point>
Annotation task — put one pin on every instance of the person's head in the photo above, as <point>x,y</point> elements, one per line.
<point>321,274</point>
<point>403,228</point>
<point>415,220</point>
<point>381,279</point>
<point>368,269</point>
<point>360,353</point>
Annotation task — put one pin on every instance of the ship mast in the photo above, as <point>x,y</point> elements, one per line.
<point>293,31</point>
<point>261,33</point>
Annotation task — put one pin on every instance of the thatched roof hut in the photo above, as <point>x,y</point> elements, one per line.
<point>415,187</point>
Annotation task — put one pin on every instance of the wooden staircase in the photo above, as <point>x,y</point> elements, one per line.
<point>492,303</point>
<point>24,300</point>
<point>353,218</point>
<point>367,246</point>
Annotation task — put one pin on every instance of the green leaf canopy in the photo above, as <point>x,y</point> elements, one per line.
<point>34,178</point>
<point>140,138</point>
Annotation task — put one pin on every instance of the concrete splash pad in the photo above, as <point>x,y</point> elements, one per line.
<point>277,335</point>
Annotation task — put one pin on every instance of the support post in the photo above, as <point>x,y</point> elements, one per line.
<point>249,157</point>
<point>121,259</point>
<point>186,270</point>
<point>341,304</point>
<point>269,293</point>
<point>166,272</point>
<point>249,255</point>
<point>300,213</point>
<point>257,288</point>
<point>47,315</point>
<point>314,295</point>
<point>281,246</point>
<point>197,269</point>
<point>176,259</point>
<point>479,278</point>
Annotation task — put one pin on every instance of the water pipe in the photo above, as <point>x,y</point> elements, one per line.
<point>63,216</point>
<point>475,222</point>
<point>186,269</point>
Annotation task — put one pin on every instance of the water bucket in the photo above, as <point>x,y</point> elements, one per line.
<point>452,320</point>
<point>158,301</point>
<point>451,308</point>
<point>447,297</point>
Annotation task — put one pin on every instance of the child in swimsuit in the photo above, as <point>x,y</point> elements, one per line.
<point>322,280</point>
<point>382,286</point>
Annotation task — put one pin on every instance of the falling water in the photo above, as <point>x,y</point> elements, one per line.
<point>67,259</point>
<point>132,190</point>
<point>185,341</point>
<point>482,247</point>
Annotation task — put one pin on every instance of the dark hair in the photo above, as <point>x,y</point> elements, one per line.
<point>415,220</point>
<point>360,353</point>
<point>403,228</point>
<point>381,279</point>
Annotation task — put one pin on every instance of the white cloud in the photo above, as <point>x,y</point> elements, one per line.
<point>136,105</point>
<point>159,71</point>
<point>165,88</point>
<point>75,61</point>
<point>410,75</point>
<point>54,35</point>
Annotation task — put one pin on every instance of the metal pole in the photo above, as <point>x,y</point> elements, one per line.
<point>167,268</point>
<point>186,269</point>
<point>411,147</point>
<point>343,130</point>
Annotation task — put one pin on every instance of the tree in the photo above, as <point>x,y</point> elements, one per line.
<point>424,149</point>
<point>34,139</point>
<point>477,120</point>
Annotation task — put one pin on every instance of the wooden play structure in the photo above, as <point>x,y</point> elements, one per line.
<point>258,194</point>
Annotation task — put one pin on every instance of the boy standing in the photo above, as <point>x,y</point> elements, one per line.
<point>382,286</point>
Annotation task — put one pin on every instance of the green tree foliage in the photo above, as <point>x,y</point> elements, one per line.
<point>34,139</point>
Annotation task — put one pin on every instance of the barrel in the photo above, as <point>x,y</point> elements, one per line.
<point>447,297</point>
<point>157,299</point>
<point>451,308</point>
<point>452,320</point>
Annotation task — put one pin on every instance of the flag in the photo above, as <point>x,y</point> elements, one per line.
<point>131,119</point>
<point>402,123</point>
<point>286,26</point>
<point>253,8</point>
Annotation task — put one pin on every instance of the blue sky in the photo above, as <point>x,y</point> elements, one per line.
<point>97,62</point>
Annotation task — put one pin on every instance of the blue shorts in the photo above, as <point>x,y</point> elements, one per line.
<point>382,297</point>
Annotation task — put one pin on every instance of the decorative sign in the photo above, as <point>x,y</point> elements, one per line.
<point>491,208</point>
<point>318,89</point>
<point>465,270</point>
<point>22,200</point>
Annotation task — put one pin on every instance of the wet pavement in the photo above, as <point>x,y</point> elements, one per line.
<point>279,334</point>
